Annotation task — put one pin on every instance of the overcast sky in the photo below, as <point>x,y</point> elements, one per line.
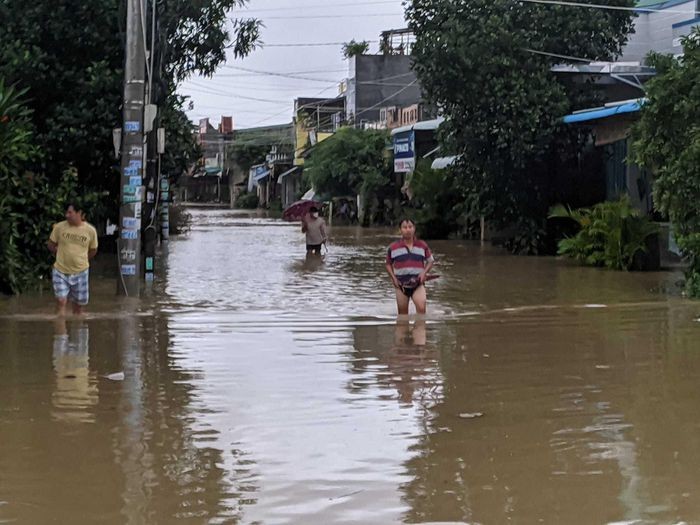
<point>290,22</point>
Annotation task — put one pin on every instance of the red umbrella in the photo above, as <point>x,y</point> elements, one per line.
<point>298,210</point>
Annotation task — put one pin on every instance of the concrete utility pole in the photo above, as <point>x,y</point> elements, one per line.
<point>132,154</point>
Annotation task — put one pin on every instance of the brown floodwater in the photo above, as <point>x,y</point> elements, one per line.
<point>261,388</point>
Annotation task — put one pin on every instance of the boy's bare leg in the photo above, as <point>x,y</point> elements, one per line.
<point>420,299</point>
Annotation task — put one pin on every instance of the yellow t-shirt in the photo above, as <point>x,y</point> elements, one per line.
<point>73,242</point>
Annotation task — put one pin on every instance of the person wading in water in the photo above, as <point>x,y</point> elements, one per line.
<point>315,229</point>
<point>74,243</point>
<point>408,262</point>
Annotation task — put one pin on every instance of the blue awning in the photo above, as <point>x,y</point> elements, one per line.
<point>261,175</point>
<point>607,111</point>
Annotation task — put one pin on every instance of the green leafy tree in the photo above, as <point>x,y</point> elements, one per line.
<point>181,149</point>
<point>667,140</point>
<point>29,203</point>
<point>487,65</point>
<point>351,162</point>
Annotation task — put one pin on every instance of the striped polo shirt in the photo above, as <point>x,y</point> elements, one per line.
<point>408,263</point>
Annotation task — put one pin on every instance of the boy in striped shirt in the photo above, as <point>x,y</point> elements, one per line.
<point>408,261</point>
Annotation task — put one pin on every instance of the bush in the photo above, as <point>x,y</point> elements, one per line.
<point>29,204</point>
<point>247,201</point>
<point>611,234</point>
<point>666,139</point>
<point>435,201</point>
<point>180,219</point>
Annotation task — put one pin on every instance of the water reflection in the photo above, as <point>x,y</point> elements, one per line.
<point>174,462</point>
<point>267,389</point>
<point>397,358</point>
<point>76,391</point>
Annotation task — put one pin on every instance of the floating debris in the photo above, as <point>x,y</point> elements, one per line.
<point>471,415</point>
<point>117,376</point>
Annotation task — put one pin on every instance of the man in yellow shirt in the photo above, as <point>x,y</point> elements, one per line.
<point>74,242</point>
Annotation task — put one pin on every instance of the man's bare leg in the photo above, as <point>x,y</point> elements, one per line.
<point>77,309</point>
<point>420,299</point>
<point>61,306</point>
<point>401,302</point>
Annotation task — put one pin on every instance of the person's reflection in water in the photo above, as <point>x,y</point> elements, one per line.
<point>412,362</point>
<point>75,392</point>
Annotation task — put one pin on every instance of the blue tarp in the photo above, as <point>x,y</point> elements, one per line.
<point>597,113</point>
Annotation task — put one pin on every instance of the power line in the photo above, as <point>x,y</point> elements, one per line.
<point>315,44</point>
<point>610,7</point>
<point>332,6</point>
<point>223,94</point>
<point>308,17</point>
<point>284,75</point>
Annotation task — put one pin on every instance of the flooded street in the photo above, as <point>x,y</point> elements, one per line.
<point>261,388</point>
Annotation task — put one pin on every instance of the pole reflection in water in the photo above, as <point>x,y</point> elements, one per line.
<point>174,464</point>
<point>76,392</point>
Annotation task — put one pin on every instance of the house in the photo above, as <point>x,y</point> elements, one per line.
<point>209,180</point>
<point>659,26</point>
<point>380,81</point>
<point>258,156</point>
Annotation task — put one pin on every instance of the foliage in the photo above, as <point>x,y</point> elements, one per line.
<point>180,219</point>
<point>666,139</point>
<point>247,201</point>
<point>181,148</point>
<point>436,206</point>
<point>29,203</point>
<point>247,155</point>
<point>611,234</point>
<point>351,162</point>
<point>481,62</point>
<point>353,48</point>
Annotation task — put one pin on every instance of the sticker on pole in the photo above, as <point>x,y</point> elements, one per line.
<point>135,151</point>
<point>131,235</point>
<point>136,181</point>
<point>136,163</point>
<point>127,255</point>
<point>133,223</point>
<point>132,126</point>
<point>128,269</point>
<point>131,171</point>
<point>149,264</point>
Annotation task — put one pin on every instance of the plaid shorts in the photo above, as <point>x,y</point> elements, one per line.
<point>74,287</point>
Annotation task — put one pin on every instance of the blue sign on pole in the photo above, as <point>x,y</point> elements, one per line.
<point>136,181</point>
<point>132,126</point>
<point>404,152</point>
<point>128,269</point>
<point>130,234</point>
<point>131,171</point>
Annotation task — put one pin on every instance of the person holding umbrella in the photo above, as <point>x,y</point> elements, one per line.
<point>315,229</point>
